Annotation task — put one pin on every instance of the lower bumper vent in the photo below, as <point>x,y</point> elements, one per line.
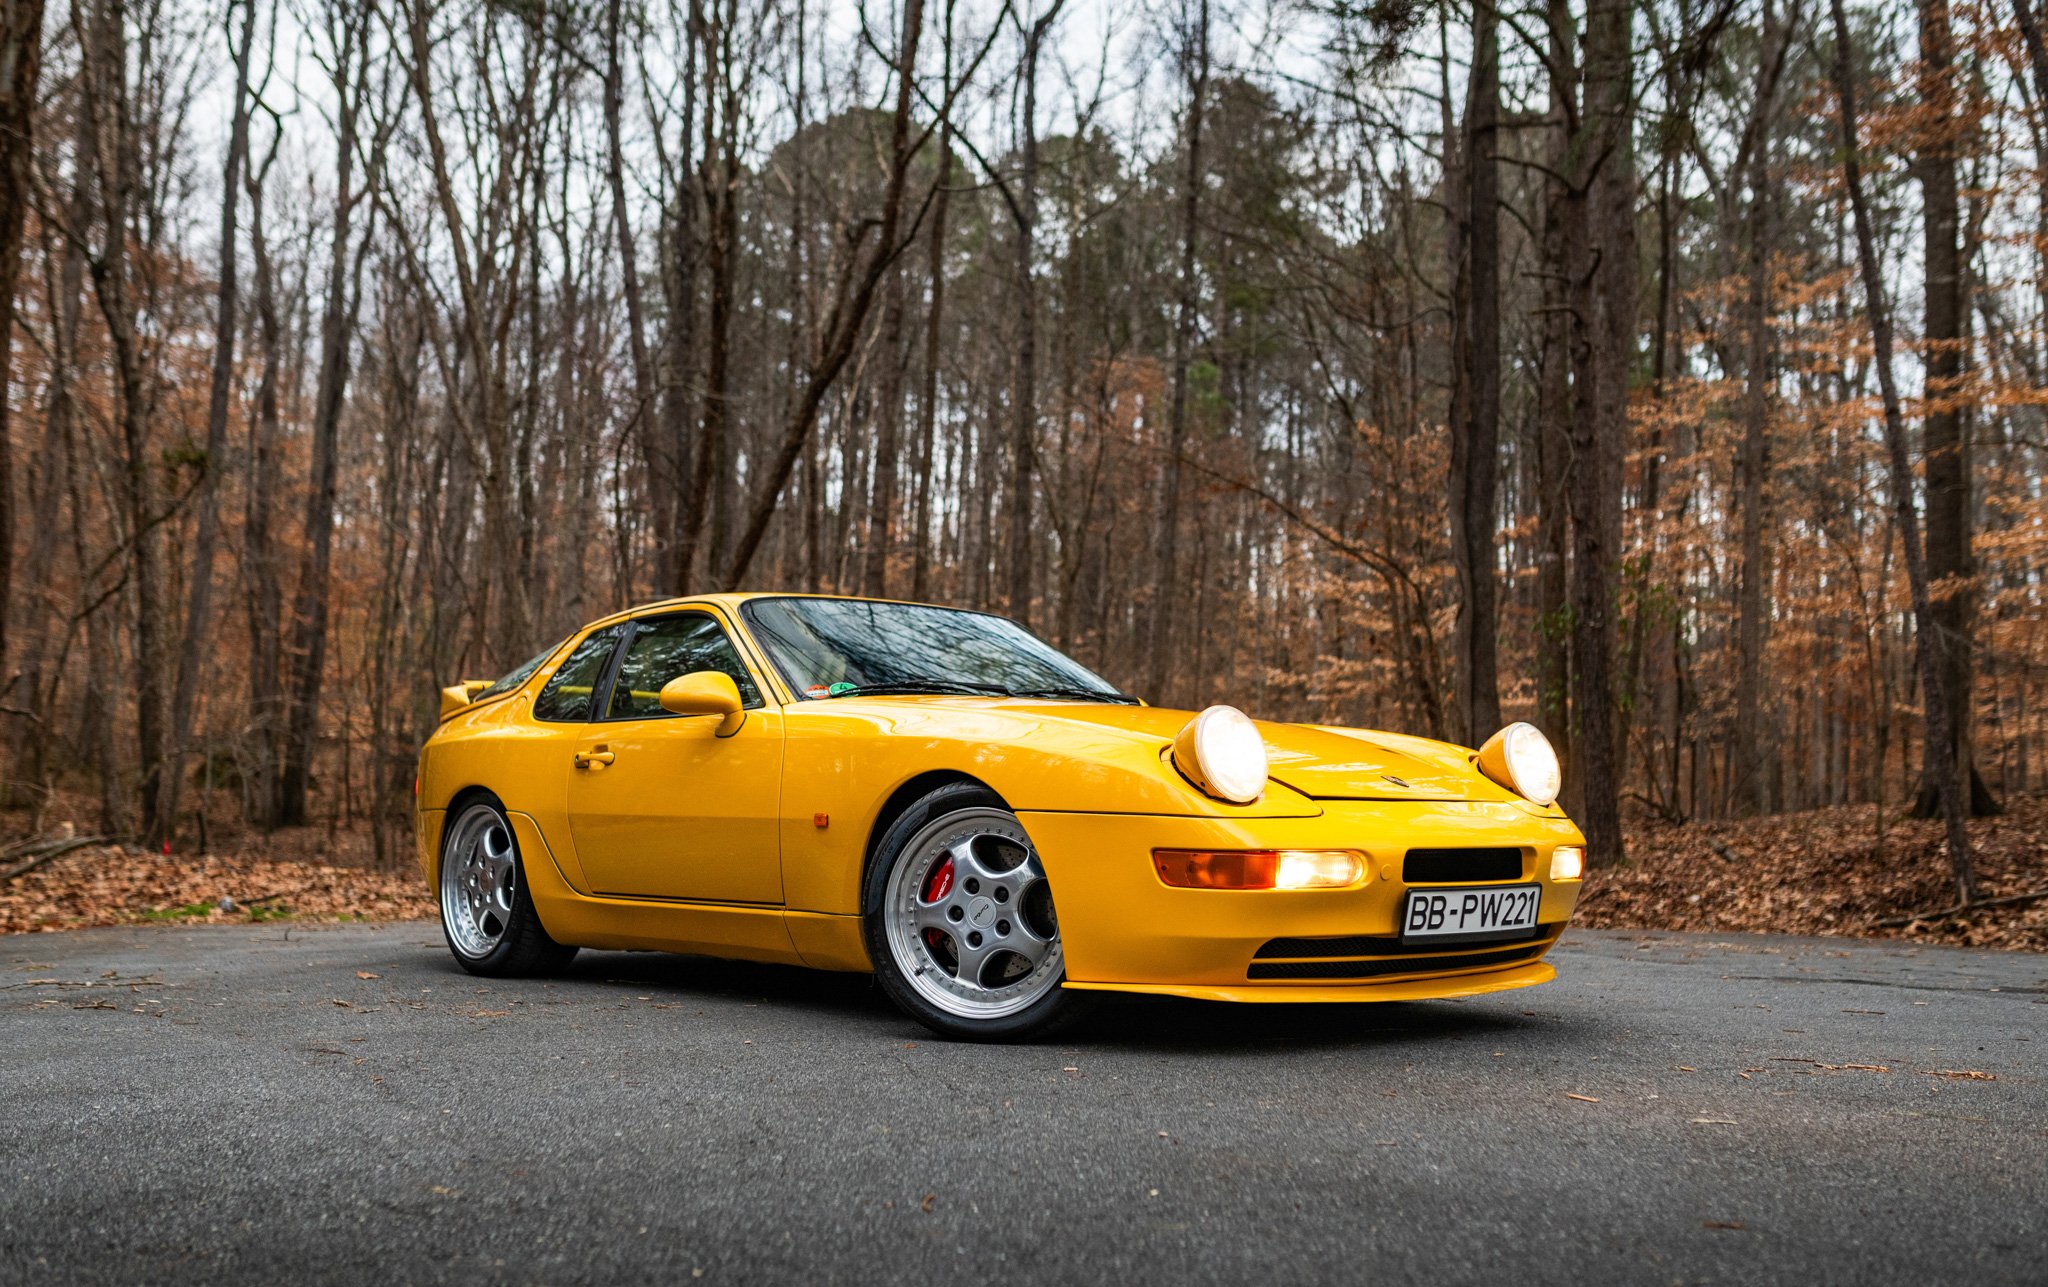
<point>1368,969</point>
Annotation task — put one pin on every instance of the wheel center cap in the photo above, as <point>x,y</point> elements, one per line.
<point>981,911</point>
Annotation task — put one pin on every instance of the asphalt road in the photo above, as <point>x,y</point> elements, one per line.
<point>241,1105</point>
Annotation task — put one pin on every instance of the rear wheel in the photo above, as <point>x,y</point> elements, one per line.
<point>486,913</point>
<point>960,921</point>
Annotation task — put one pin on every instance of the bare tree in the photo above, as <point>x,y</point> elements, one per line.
<point>348,36</point>
<point>1940,751</point>
<point>1475,425</point>
<point>853,296</point>
<point>21,57</point>
<point>199,605</point>
<point>1163,611</point>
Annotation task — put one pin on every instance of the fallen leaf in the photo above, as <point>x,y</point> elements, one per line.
<point>1959,1074</point>
<point>1715,1121</point>
<point>365,974</point>
<point>926,1205</point>
<point>488,1014</point>
<point>1584,1099</point>
<point>1833,1067</point>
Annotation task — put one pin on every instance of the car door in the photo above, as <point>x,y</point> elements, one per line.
<point>661,806</point>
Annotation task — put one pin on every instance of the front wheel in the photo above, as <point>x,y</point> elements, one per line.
<point>960,922</point>
<point>486,913</point>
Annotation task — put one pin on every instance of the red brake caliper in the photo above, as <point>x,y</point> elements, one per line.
<point>937,886</point>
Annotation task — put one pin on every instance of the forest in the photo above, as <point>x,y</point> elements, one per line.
<point>1669,374</point>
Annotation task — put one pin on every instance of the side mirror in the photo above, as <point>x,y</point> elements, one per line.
<point>706,692</point>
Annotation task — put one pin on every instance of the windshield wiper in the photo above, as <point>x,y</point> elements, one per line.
<point>966,688</point>
<point>1078,694</point>
<point>947,687</point>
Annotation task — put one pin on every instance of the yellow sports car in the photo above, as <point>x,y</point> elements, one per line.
<point>939,797</point>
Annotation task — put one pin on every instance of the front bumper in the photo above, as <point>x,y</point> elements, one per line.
<point>1124,930</point>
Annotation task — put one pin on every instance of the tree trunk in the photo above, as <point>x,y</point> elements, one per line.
<point>1603,279</point>
<point>199,604</point>
<point>720,181</point>
<point>60,409</point>
<point>116,177</point>
<point>642,423</point>
<point>680,339</point>
<point>1024,396</point>
<point>259,552</point>
<point>1951,564</point>
<point>1163,613</point>
<point>1554,402</point>
<point>1755,749</point>
<point>1940,744</point>
<point>308,646</point>
<point>888,419</point>
<point>1475,435</point>
<point>21,60</point>
<point>928,402</point>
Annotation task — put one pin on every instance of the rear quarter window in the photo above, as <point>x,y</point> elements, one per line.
<point>568,694</point>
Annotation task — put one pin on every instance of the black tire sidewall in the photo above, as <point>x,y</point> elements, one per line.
<point>1052,1010</point>
<point>525,947</point>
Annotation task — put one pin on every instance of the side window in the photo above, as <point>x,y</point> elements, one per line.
<point>666,647</point>
<point>568,692</point>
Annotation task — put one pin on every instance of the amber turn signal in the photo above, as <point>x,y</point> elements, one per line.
<point>1258,868</point>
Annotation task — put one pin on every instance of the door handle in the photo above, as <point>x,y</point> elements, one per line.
<point>596,758</point>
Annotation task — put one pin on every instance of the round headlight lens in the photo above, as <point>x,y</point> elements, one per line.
<point>1221,752</point>
<point>1521,759</point>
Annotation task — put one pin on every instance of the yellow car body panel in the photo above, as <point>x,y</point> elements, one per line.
<point>781,829</point>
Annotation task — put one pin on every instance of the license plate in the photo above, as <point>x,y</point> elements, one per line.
<point>1470,915</point>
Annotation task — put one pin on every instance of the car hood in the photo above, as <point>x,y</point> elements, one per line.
<point>1322,762</point>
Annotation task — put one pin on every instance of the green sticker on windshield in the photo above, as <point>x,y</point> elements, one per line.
<point>842,688</point>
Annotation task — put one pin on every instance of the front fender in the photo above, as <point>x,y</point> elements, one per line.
<point>844,760</point>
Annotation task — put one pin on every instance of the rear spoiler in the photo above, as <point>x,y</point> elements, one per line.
<point>460,695</point>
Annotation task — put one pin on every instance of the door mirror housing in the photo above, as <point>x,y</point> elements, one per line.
<point>706,692</point>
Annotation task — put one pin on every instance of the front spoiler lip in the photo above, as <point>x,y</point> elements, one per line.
<point>1434,987</point>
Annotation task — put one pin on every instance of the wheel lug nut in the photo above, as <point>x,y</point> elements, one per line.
<point>974,939</point>
<point>1002,895</point>
<point>973,886</point>
<point>1003,928</point>
<point>954,913</point>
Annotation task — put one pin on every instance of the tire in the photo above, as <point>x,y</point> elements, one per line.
<point>959,921</point>
<point>487,916</point>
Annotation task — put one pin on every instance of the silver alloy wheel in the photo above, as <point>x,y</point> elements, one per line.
<point>479,870</point>
<point>969,916</point>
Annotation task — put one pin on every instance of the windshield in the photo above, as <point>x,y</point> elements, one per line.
<point>847,647</point>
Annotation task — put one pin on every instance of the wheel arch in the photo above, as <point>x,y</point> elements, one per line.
<point>900,802</point>
<point>461,800</point>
